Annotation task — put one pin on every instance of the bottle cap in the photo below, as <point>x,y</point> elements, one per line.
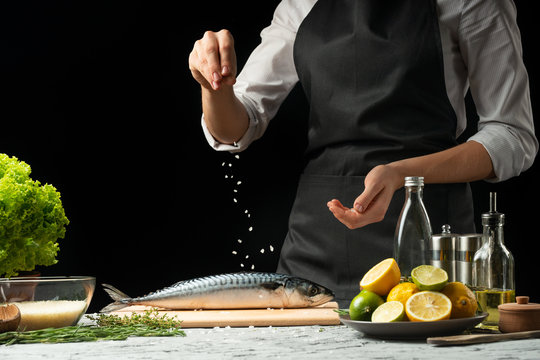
<point>414,181</point>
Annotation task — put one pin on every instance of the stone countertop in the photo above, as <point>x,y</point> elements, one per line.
<point>297,342</point>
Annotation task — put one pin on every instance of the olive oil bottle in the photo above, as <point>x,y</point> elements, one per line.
<point>493,267</point>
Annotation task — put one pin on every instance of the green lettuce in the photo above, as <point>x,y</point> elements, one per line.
<point>32,219</point>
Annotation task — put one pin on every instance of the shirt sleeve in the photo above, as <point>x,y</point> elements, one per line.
<point>268,75</point>
<point>490,44</point>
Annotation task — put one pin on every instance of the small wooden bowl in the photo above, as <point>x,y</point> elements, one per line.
<point>519,316</point>
<point>10,316</point>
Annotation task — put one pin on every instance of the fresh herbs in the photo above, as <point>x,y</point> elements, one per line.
<point>342,312</point>
<point>107,327</point>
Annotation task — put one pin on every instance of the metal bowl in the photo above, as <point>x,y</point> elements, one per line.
<point>48,301</point>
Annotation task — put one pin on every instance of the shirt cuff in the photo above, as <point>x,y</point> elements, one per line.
<point>508,156</point>
<point>238,146</point>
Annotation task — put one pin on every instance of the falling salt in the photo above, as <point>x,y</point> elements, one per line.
<point>230,164</point>
<point>262,251</point>
<point>234,199</point>
<point>252,267</point>
<point>237,156</point>
<point>247,256</point>
<point>234,252</point>
<point>250,228</point>
<point>271,248</point>
<point>239,241</point>
<point>238,182</point>
<point>241,265</point>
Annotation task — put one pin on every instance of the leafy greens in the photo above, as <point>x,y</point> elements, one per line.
<point>32,219</point>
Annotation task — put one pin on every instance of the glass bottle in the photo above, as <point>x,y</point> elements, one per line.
<point>413,230</point>
<point>493,266</point>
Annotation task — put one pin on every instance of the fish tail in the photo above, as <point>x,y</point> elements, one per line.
<point>121,300</point>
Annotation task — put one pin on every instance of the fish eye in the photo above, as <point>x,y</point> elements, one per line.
<point>312,291</point>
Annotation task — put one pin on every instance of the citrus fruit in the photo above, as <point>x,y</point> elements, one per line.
<point>381,277</point>
<point>429,277</point>
<point>463,300</point>
<point>364,304</point>
<point>390,311</point>
<point>428,306</point>
<point>402,292</point>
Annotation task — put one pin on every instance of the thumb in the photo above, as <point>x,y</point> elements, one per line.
<point>363,201</point>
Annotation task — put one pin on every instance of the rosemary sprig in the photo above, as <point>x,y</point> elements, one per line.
<point>108,327</point>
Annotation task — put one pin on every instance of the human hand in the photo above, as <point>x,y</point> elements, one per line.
<point>371,206</point>
<point>213,60</point>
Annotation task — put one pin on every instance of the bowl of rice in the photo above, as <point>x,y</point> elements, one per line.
<point>48,301</point>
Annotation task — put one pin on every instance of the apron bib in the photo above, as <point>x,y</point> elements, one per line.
<point>373,75</point>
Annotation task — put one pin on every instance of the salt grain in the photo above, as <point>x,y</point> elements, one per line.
<point>262,251</point>
<point>241,265</point>
<point>234,252</point>
<point>237,156</point>
<point>252,267</point>
<point>239,241</point>
<point>247,256</point>
<point>238,182</point>
<point>271,248</point>
<point>250,228</point>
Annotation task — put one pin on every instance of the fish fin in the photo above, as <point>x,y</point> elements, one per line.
<point>121,300</point>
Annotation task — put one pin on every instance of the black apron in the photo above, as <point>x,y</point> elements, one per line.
<point>373,74</point>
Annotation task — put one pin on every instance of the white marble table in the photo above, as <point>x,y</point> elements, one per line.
<point>298,342</point>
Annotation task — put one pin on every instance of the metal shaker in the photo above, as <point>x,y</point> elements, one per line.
<point>442,253</point>
<point>466,247</point>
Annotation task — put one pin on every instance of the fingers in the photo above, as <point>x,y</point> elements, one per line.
<point>213,60</point>
<point>349,217</point>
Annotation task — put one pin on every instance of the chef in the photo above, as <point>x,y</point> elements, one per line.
<point>386,82</point>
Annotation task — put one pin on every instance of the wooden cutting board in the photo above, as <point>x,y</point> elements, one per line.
<point>320,315</point>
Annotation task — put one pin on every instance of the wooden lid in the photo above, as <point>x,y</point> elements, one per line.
<point>522,304</point>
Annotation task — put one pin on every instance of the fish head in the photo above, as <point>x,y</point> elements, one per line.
<point>308,292</point>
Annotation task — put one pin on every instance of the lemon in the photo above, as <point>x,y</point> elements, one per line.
<point>463,300</point>
<point>402,292</point>
<point>390,311</point>
<point>428,306</point>
<point>381,277</point>
<point>364,304</point>
<point>429,277</point>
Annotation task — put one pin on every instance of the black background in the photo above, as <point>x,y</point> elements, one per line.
<point>97,97</point>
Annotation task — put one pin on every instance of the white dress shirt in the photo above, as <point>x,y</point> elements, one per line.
<point>482,51</point>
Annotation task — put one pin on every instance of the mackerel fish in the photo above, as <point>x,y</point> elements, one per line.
<point>243,290</point>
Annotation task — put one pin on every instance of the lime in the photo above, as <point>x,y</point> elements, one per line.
<point>364,304</point>
<point>389,312</point>
<point>381,277</point>
<point>428,306</point>
<point>429,277</point>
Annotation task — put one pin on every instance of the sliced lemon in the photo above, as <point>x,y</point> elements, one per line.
<point>428,306</point>
<point>429,277</point>
<point>381,278</point>
<point>389,312</point>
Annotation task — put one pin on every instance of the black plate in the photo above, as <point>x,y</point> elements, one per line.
<point>413,329</point>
